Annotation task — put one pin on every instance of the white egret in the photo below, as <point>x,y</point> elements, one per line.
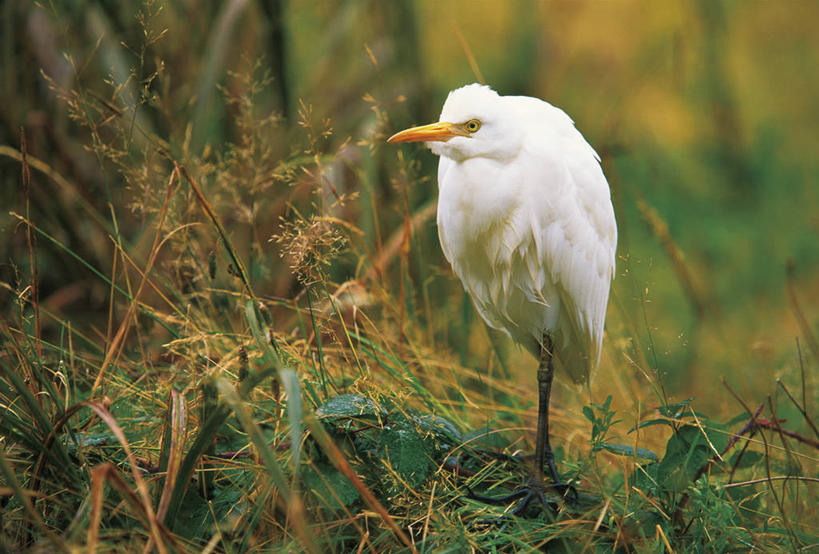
<point>526,221</point>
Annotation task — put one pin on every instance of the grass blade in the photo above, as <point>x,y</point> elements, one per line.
<point>173,445</point>
<point>152,523</point>
<point>34,517</point>
<point>203,440</point>
<point>293,503</point>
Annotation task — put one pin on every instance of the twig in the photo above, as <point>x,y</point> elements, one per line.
<point>429,514</point>
<point>802,408</point>
<point>765,480</point>
<point>767,461</point>
<point>740,455</point>
<point>774,426</point>
<point>750,425</point>
<point>660,533</point>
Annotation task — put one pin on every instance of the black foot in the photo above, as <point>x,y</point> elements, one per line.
<point>565,490</point>
<point>534,489</point>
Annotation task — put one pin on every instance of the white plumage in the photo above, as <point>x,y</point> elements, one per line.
<point>526,220</point>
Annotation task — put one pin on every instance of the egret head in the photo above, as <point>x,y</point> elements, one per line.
<point>474,122</point>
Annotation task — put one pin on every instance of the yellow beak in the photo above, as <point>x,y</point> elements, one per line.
<point>441,131</point>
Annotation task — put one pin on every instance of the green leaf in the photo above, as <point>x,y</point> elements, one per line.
<point>328,485</point>
<point>623,450</point>
<point>749,459</point>
<point>688,450</point>
<point>406,452</point>
<point>644,477</point>
<point>443,429</point>
<point>589,413</point>
<point>741,418</point>
<point>193,520</point>
<point>349,405</point>
<point>675,410</point>
<point>649,423</point>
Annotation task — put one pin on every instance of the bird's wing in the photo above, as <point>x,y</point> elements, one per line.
<point>575,237</point>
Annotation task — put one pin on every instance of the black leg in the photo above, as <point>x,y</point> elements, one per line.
<point>534,487</point>
<point>543,450</point>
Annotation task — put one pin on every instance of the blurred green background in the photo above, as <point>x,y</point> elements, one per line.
<point>705,113</point>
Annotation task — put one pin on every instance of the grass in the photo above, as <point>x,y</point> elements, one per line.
<point>227,326</point>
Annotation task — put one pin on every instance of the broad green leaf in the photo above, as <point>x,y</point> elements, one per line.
<point>406,452</point>
<point>688,450</point>
<point>749,459</point>
<point>349,405</point>
<point>440,427</point>
<point>330,486</point>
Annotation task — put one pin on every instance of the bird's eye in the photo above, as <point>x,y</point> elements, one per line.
<point>472,125</point>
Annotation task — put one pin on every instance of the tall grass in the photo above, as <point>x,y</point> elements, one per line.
<point>227,326</point>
